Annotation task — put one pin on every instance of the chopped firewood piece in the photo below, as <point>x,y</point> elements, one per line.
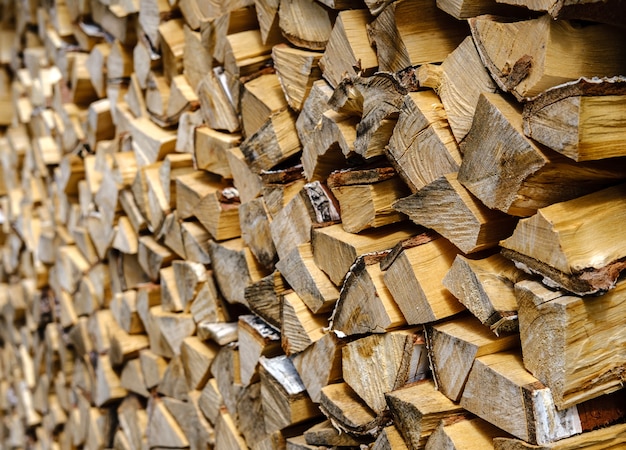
<point>453,345</point>
<point>283,393</point>
<point>576,244</point>
<point>312,33</point>
<point>349,412</point>
<point>445,206</point>
<point>256,338</point>
<point>401,41</point>
<point>501,391</point>
<point>422,147</point>
<point>299,326</point>
<point>558,354</point>
<point>393,359</point>
<point>365,304</point>
<point>528,66</point>
<point>297,70</point>
<point>414,275</point>
<point>417,409</point>
<point>533,175</point>
<point>335,250</point>
<point>348,52</point>
<point>581,119</point>
<point>476,432</point>
<point>485,287</point>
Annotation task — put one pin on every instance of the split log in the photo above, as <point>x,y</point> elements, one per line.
<point>381,363</point>
<point>524,407</point>
<point>389,439</point>
<point>299,326</point>
<point>307,280</point>
<point>531,65</point>
<point>607,437</point>
<point>235,269</point>
<point>453,346</point>
<point>273,143</point>
<point>254,221</point>
<point>320,364</point>
<point>365,304</point>
<point>402,42</point>
<point>604,12</point>
<point>365,197</point>
<point>476,433</point>
<point>348,52</point>
<point>283,393</point>
<point>211,148</point>
<point>297,70</point>
<point>485,287</point>
<point>261,97</point>
<point>292,225</point>
<point>587,261</point>
<point>533,176</point>
<point>348,412</point>
<point>414,275</point>
<point>445,206</point>
<point>463,79</point>
<point>574,366</point>
<point>264,297</point>
<point>325,434</point>
<point>422,147</point>
<point>256,339</point>
<point>579,119</point>
<point>312,33</point>
<point>417,410</point>
<point>335,250</point>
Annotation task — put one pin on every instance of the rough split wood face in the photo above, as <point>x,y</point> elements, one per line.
<point>312,224</point>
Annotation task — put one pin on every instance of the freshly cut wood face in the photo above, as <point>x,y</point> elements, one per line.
<point>584,120</point>
<point>530,56</point>
<point>577,245</point>
<point>576,365</point>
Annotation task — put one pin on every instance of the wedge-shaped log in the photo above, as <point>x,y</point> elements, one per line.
<point>582,119</point>
<point>453,345</point>
<point>297,70</point>
<point>414,274</point>
<point>366,196</point>
<point>422,147</point>
<point>274,142</point>
<point>365,304</point>
<point>458,434</point>
<point>526,57</point>
<point>510,172</point>
<point>348,48</point>
<point>401,41</point>
<point>575,244</point>
<point>381,363</point>
<point>445,206</point>
<point>575,366</point>
<point>418,408</point>
<point>348,412</point>
<point>485,287</point>
<point>463,78</point>
<point>284,394</point>
<point>501,391</point>
<point>312,33</point>
<point>211,201</point>
<point>311,284</point>
<point>299,327</point>
<point>334,249</point>
<point>606,437</point>
<point>320,364</point>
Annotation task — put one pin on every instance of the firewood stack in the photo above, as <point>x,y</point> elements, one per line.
<point>298,224</point>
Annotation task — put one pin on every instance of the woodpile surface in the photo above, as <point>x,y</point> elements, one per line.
<point>301,224</point>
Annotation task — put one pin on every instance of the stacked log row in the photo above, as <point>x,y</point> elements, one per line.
<point>304,224</point>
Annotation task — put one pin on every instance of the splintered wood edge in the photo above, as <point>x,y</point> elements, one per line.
<point>586,282</point>
<point>581,87</point>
